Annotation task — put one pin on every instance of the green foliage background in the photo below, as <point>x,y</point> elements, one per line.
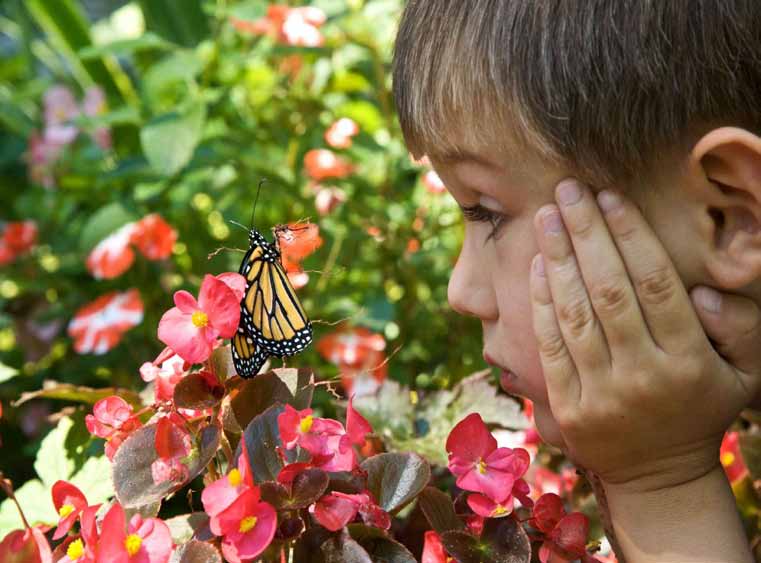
<point>200,113</point>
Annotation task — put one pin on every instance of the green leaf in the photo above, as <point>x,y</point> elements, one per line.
<point>147,41</point>
<point>169,140</point>
<point>395,479</point>
<point>35,500</point>
<point>477,393</point>
<point>7,372</point>
<point>53,460</point>
<point>78,393</point>
<point>189,526</point>
<point>196,552</point>
<point>102,223</point>
<point>91,479</point>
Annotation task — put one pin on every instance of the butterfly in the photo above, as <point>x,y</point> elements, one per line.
<point>272,319</point>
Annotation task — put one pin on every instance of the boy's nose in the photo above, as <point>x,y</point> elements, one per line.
<point>470,291</point>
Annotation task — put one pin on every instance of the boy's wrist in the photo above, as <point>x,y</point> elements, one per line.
<point>693,520</point>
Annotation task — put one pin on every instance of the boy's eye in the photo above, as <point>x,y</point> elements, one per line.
<point>478,213</point>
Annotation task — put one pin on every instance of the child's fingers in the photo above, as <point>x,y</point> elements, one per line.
<point>557,364</point>
<point>733,323</point>
<point>662,296</point>
<point>578,322</point>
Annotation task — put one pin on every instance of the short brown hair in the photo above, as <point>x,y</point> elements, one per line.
<point>603,86</point>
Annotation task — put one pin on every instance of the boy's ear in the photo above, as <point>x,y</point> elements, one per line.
<point>729,159</point>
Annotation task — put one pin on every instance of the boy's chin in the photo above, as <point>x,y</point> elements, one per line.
<point>547,426</point>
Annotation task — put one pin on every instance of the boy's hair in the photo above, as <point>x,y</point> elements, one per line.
<point>602,86</point>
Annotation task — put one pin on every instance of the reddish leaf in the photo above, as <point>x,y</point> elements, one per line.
<point>198,391</point>
<point>196,552</point>
<point>395,479</point>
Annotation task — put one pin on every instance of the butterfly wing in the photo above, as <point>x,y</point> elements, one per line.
<point>248,358</point>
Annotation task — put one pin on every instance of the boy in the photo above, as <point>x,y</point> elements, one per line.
<point>653,108</point>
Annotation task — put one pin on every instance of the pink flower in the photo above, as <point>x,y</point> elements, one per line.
<point>323,163</point>
<point>99,326</point>
<point>26,546</point>
<point>326,199</point>
<point>339,135</point>
<point>173,444</point>
<point>82,549</point>
<point>60,109</point>
<point>247,524</point>
<point>112,256</point>
<point>166,371</point>
<point>731,457</point>
<point>477,462</point>
<point>220,494</point>
<point>143,541</point>
<point>69,502</point>
<point>292,26</point>
<point>113,420</point>
<point>333,511</point>
<point>192,327</point>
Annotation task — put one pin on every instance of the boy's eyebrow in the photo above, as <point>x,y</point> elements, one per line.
<point>459,155</point>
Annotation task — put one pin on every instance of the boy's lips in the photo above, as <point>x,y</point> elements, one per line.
<point>506,377</point>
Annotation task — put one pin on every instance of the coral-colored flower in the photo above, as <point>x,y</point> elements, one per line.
<point>432,183</point>
<point>219,495</point>
<point>433,550</point>
<point>291,26</point>
<point>17,239</point>
<point>355,351</point>
<point>192,327</point>
<point>731,457</point>
<point>69,501</point>
<point>113,420</point>
<point>154,237</point>
<point>543,481</point>
<point>99,326</point>
<point>334,510</point>
<point>247,524</point>
<point>165,371</point>
<point>323,163</point>
<point>26,546</point>
<point>339,135</point>
<point>112,256</point>
<point>565,535</point>
<point>144,540</point>
<point>477,462</point>
<point>298,240</point>
<point>326,199</point>
<point>173,444</point>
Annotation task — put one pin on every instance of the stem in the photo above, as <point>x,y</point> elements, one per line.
<point>331,261</point>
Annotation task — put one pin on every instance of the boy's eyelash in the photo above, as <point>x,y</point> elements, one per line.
<point>478,213</point>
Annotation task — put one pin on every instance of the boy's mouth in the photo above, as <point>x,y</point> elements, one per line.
<point>506,376</point>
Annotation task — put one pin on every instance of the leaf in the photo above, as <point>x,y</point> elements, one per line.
<point>343,549</point>
<point>262,437</point>
<point>477,393</point>
<point>168,141</point>
<point>395,479</point>
<point>132,466</point>
<point>53,460</point>
<point>92,482</point>
<point>194,392</point>
<point>287,386</point>
<point>35,500</point>
<point>379,544</point>
<point>147,41</point>
<point>502,541</point>
<point>307,546</point>
<point>195,552</point>
<point>189,526</point>
<point>7,372</point>
<point>439,510</point>
<point>78,393</point>
<point>102,223</point>
<point>307,487</point>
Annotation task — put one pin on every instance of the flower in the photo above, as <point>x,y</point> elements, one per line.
<point>355,351</point>
<point>94,104</point>
<point>433,550</point>
<point>339,135</point>
<point>323,163</point>
<point>143,540</point>
<point>154,237</point>
<point>166,371</point>
<point>432,183</point>
<point>99,326</point>
<point>219,495</point>
<point>192,327</point>
<point>479,465</point>
<point>291,26</point>
<point>297,241</point>
<point>69,502</point>
<point>41,157</point>
<point>24,546</point>
<point>112,256</point>
<point>333,511</point>
<point>173,443</point>
<point>731,457</point>
<point>565,535</point>
<point>60,109</point>
<point>247,524</point>
<point>17,239</point>
<point>113,420</point>
<point>326,199</point>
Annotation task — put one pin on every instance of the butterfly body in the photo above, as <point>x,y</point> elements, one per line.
<point>272,321</point>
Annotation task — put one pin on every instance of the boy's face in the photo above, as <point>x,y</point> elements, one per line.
<point>491,278</point>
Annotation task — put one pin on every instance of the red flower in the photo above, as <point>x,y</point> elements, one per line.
<point>291,26</point>
<point>339,135</point>
<point>297,241</point>
<point>731,457</point>
<point>432,183</point>
<point>144,540</point>
<point>99,326</point>
<point>433,550</point>
<point>333,511</point>
<point>326,199</point>
<point>69,502</point>
<point>355,351</point>
<point>154,237</point>
<point>192,327</point>
<point>173,444</point>
<point>248,526</point>
<point>112,256</point>
<point>113,420</point>
<point>479,465</point>
<point>544,481</point>
<point>17,239</point>
<point>25,546</point>
<point>323,163</point>
<point>565,535</point>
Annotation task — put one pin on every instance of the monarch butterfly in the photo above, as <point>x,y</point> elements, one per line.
<point>272,320</point>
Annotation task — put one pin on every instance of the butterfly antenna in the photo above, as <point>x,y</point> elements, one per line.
<point>239,225</point>
<point>258,189</point>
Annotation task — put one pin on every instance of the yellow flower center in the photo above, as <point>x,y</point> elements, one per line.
<point>200,319</point>
<point>727,459</point>
<point>65,510</point>
<point>481,466</point>
<point>75,550</point>
<point>306,424</point>
<point>247,524</point>
<point>499,511</point>
<point>132,544</point>
<point>234,478</point>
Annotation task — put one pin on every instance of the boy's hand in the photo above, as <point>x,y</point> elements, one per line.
<point>638,391</point>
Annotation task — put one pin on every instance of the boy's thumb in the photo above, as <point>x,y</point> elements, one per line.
<point>733,323</point>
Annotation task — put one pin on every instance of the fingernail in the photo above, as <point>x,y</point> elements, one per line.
<point>569,192</point>
<point>709,299</point>
<point>552,222</point>
<point>539,265</point>
<point>608,200</point>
